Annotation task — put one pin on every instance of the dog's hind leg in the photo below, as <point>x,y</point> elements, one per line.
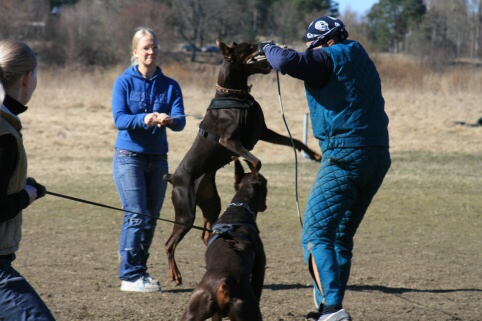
<point>183,199</point>
<point>236,147</point>
<point>208,200</point>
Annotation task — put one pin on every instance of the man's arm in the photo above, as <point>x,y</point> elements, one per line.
<point>315,67</point>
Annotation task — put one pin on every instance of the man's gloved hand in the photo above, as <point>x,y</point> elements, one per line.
<point>265,44</point>
<point>41,190</point>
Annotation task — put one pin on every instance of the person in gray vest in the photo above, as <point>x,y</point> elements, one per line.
<point>18,80</point>
<point>344,95</point>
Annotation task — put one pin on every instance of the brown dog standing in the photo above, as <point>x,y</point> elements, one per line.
<point>235,258</point>
<point>233,124</point>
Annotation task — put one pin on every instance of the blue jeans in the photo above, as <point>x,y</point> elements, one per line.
<point>345,185</point>
<point>139,182</point>
<point>18,299</point>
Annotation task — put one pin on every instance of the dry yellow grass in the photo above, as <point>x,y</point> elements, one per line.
<point>70,113</point>
<point>417,252</point>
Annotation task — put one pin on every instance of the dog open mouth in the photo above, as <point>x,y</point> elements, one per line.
<point>259,61</point>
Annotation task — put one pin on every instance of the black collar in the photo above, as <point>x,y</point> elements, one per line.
<point>13,105</point>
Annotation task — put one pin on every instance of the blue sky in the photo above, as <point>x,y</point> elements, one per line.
<point>359,6</point>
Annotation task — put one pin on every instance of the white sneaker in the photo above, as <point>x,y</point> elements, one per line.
<point>341,315</point>
<point>142,284</point>
<point>151,280</point>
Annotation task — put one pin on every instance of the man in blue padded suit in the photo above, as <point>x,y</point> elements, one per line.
<point>343,91</point>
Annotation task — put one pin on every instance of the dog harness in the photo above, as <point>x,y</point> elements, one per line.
<point>229,102</point>
<point>207,135</point>
<point>229,91</point>
<point>224,229</point>
<point>224,103</point>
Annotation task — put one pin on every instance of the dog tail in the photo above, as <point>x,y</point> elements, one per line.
<point>223,296</point>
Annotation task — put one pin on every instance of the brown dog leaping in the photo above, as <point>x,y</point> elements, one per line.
<point>235,258</point>
<point>233,124</point>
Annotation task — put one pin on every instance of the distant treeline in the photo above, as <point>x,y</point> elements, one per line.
<point>98,32</point>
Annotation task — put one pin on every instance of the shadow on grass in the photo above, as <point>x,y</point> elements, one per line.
<point>357,288</point>
<point>273,287</point>
<point>280,287</point>
<point>178,290</point>
<point>386,289</point>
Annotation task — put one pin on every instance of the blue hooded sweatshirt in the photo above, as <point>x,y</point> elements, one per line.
<point>133,97</point>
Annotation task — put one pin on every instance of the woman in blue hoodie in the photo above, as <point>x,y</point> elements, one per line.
<point>344,95</point>
<point>144,104</point>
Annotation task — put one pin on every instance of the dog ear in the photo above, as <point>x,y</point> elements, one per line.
<point>226,51</point>
<point>223,47</point>
<point>238,173</point>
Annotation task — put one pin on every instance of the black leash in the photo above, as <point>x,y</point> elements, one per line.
<point>122,210</point>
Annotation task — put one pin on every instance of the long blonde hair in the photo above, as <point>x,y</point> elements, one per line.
<point>16,59</point>
<point>139,33</point>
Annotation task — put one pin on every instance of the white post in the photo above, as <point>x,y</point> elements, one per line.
<point>305,134</point>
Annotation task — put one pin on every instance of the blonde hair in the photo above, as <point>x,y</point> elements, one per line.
<point>139,33</point>
<point>16,59</point>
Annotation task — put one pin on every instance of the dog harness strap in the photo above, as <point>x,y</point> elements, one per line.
<point>207,135</point>
<point>229,230</point>
<point>246,206</point>
<point>229,102</point>
<point>233,91</point>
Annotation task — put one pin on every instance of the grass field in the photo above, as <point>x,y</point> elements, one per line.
<point>417,253</point>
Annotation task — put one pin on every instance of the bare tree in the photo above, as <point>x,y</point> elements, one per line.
<point>453,25</point>
<point>71,29</point>
<point>150,13</point>
<point>475,13</point>
<point>22,18</point>
<point>193,18</point>
<point>460,29</point>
